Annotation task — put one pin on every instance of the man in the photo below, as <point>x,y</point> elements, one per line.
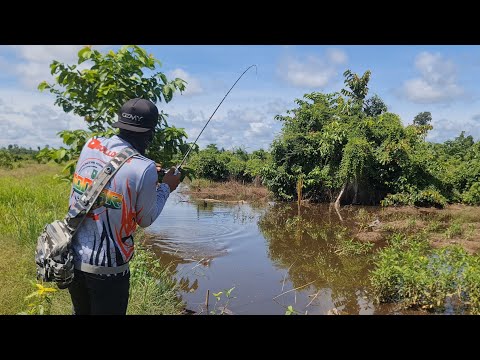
<point>103,244</point>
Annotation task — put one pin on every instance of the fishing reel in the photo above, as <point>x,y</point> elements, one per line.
<point>161,173</point>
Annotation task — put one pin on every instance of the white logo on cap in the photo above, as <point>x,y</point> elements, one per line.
<point>135,118</point>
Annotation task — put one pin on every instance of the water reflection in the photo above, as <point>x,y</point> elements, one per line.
<point>272,257</point>
<point>307,246</point>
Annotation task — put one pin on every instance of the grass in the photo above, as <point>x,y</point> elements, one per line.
<point>29,198</point>
<point>409,271</point>
<point>153,291</point>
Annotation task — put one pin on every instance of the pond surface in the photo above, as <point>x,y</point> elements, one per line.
<point>271,258</point>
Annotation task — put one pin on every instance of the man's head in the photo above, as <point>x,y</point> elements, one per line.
<point>137,115</point>
<point>137,119</point>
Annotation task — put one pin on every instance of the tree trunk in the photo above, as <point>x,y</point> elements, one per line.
<point>355,186</point>
<point>337,202</point>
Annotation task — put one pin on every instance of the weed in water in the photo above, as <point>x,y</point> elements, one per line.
<point>352,247</point>
<point>226,296</point>
<point>410,272</point>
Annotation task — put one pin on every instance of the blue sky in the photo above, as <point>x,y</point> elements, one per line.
<point>409,78</point>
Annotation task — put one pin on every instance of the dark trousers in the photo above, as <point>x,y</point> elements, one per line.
<point>94,294</point>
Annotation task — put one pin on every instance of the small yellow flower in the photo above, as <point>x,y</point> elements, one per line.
<point>42,289</point>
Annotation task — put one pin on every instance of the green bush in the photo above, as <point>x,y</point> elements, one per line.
<point>410,272</point>
<point>427,197</point>
<point>6,159</point>
<point>472,196</point>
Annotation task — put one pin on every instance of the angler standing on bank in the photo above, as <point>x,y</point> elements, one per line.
<point>103,244</point>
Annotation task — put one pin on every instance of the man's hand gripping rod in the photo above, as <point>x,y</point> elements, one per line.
<point>177,170</point>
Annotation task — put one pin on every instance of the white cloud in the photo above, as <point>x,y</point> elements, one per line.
<point>447,129</point>
<point>246,127</point>
<point>32,63</point>
<point>313,72</point>
<point>47,53</point>
<point>193,86</point>
<point>259,128</point>
<point>336,56</point>
<point>6,67</point>
<point>31,120</point>
<point>437,82</point>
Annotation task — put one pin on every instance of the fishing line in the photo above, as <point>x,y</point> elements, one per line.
<point>193,144</point>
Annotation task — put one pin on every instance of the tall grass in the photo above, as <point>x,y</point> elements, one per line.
<point>153,291</point>
<point>30,197</point>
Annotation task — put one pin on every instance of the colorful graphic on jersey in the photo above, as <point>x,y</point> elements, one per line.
<point>129,225</point>
<point>107,198</point>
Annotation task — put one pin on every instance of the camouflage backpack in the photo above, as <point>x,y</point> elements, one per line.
<point>53,255</point>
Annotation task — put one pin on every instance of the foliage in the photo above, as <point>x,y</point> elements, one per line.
<point>223,165</point>
<point>291,311</point>
<point>343,143</point>
<point>210,164</point>
<point>98,91</point>
<point>410,272</point>
<point>375,106</point>
<point>423,118</point>
<point>6,160</point>
<point>227,297</point>
<point>39,302</point>
<point>352,247</point>
<point>153,290</point>
<point>427,197</point>
<point>12,155</point>
<point>29,198</point>
<point>472,195</point>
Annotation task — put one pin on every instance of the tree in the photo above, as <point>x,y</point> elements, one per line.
<point>346,156</point>
<point>358,91</point>
<point>422,119</point>
<point>97,92</point>
<point>374,106</point>
<point>212,147</point>
<point>358,85</point>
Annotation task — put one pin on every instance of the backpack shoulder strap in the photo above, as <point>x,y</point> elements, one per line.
<point>81,208</point>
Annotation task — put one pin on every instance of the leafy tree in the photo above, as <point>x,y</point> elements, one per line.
<point>344,155</point>
<point>97,92</point>
<point>212,147</point>
<point>358,85</point>
<point>357,91</point>
<point>6,159</point>
<point>375,106</point>
<point>423,118</point>
<point>210,164</point>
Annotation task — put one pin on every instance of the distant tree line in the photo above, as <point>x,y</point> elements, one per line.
<point>346,148</point>
<point>14,153</point>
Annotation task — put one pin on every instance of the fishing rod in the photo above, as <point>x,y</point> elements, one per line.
<point>177,170</point>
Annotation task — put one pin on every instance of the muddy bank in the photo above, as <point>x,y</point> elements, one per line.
<point>456,224</point>
<point>230,191</point>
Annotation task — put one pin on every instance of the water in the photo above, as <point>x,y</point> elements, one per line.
<point>272,259</point>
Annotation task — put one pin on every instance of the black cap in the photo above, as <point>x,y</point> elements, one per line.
<point>138,115</point>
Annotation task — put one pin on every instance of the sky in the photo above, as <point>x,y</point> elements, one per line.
<point>409,78</point>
